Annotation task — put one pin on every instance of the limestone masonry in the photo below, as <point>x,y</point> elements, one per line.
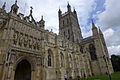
<point>29,52</point>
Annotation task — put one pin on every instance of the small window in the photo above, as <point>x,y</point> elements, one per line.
<point>81,49</point>
<point>49,60</point>
<point>68,34</point>
<point>63,23</point>
<point>67,21</point>
<point>64,33</point>
<point>62,59</point>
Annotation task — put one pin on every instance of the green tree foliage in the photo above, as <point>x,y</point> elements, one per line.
<point>116,62</point>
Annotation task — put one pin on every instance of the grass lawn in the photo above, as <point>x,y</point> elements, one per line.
<point>114,76</point>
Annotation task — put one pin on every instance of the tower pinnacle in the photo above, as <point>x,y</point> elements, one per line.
<point>69,7</point>
<point>93,25</point>
<point>14,8</point>
<point>42,22</point>
<point>59,13</point>
<point>100,32</point>
<point>94,29</point>
<point>16,2</point>
<point>74,10</point>
<point>4,5</point>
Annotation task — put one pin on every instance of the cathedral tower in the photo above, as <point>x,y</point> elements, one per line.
<point>69,26</point>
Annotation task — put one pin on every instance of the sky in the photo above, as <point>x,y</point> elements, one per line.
<point>105,13</point>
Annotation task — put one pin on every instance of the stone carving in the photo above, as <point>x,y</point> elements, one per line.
<point>26,41</point>
<point>30,42</point>
<point>2,23</point>
<point>14,8</point>
<point>15,38</point>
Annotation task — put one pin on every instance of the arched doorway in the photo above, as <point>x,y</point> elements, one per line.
<point>23,71</point>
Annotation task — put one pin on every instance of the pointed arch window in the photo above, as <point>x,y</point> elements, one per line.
<point>68,34</point>
<point>92,51</point>
<point>70,60</point>
<point>62,59</point>
<point>50,58</point>
<point>67,21</point>
<point>63,23</point>
<point>64,33</point>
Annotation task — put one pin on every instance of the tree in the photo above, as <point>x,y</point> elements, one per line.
<point>115,59</point>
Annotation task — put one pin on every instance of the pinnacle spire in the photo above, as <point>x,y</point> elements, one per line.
<point>69,7</point>
<point>100,32</point>
<point>42,22</point>
<point>42,17</point>
<point>14,8</point>
<point>59,13</point>
<point>74,10</point>
<point>59,10</point>
<point>93,25</point>
<point>15,1</point>
<point>68,4</point>
<point>94,29</point>
<point>4,5</point>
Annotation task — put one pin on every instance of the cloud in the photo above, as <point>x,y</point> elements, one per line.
<point>114,50</point>
<point>111,16</point>
<point>109,21</point>
<point>112,36</point>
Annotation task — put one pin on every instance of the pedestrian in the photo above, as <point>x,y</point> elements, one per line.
<point>65,77</point>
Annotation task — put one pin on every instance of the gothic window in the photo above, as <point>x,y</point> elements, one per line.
<point>67,21</point>
<point>92,51</point>
<point>64,33</point>
<point>63,22</point>
<point>68,34</point>
<point>81,49</point>
<point>61,59</point>
<point>49,58</point>
<point>70,61</point>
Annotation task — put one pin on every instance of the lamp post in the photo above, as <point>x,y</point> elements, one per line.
<point>107,68</point>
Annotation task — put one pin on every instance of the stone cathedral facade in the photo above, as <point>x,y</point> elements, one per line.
<point>29,52</point>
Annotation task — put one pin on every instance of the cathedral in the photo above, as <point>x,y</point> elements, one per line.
<point>30,52</point>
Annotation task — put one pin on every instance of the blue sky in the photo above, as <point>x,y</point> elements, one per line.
<point>105,13</point>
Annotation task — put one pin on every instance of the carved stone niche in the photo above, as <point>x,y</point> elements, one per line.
<point>30,42</point>
<point>15,38</point>
<point>25,40</point>
<point>38,44</point>
<point>39,61</point>
<point>3,23</point>
<point>20,39</point>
